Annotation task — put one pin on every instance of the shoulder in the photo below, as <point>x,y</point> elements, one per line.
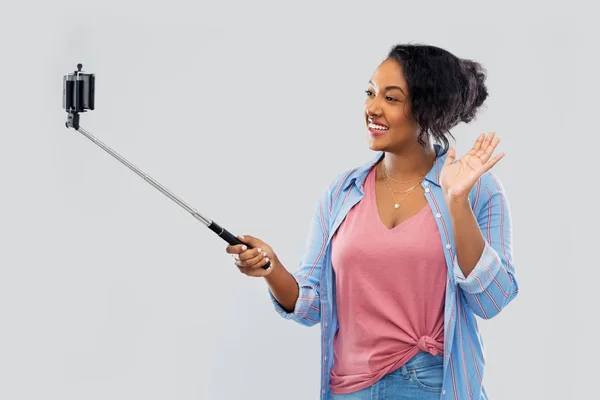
<point>343,179</point>
<point>338,184</point>
<point>349,176</point>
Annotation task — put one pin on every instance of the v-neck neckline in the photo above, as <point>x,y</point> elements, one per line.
<point>375,211</point>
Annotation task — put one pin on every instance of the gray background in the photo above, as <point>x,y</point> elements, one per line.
<point>246,110</point>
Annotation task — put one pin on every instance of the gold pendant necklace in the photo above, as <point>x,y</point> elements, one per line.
<point>397,205</point>
<point>406,191</point>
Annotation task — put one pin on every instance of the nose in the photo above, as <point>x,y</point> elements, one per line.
<point>372,108</point>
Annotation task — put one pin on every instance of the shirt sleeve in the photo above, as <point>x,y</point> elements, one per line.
<point>492,284</point>
<point>307,310</point>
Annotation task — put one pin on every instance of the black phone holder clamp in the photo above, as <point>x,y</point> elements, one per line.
<point>78,95</point>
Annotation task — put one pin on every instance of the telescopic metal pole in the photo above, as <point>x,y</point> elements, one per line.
<point>148,178</point>
<point>78,97</point>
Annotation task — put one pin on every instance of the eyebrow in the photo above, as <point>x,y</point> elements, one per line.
<point>390,87</point>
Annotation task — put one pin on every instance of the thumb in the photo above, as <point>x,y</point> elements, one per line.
<point>249,240</point>
<point>450,157</point>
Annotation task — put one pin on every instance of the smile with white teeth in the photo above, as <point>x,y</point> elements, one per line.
<point>378,127</point>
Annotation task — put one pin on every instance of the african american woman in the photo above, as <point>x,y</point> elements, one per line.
<point>407,249</point>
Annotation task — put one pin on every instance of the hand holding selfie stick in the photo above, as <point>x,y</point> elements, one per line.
<point>78,97</point>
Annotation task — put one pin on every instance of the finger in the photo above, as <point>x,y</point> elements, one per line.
<point>254,264</point>
<point>251,264</point>
<point>250,254</point>
<point>261,263</point>
<point>485,144</point>
<point>236,249</point>
<point>477,145</point>
<point>450,157</point>
<point>251,241</point>
<point>251,257</point>
<point>259,271</point>
<point>488,165</point>
<point>490,150</point>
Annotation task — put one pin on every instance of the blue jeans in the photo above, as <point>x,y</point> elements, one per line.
<point>419,379</point>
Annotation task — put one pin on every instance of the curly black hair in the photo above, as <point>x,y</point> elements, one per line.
<point>444,90</point>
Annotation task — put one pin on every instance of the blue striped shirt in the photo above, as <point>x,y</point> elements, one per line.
<point>484,293</point>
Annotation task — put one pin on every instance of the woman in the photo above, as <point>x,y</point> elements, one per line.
<point>405,250</point>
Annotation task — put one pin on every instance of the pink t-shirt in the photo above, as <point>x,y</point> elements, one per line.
<point>390,289</point>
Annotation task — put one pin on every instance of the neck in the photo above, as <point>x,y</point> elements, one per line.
<point>409,163</point>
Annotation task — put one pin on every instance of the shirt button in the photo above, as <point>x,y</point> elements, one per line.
<point>448,246</point>
<point>444,391</point>
<point>438,215</point>
<point>427,190</point>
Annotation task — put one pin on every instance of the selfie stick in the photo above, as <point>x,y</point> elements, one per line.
<point>78,97</point>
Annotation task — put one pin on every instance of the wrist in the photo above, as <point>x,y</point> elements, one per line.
<point>456,200</point>
<point>275,269</point>
<point>458,205</point>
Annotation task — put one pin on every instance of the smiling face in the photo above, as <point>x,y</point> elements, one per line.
<point>387,111</point>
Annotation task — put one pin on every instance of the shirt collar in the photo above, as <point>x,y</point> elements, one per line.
<point>360,174</point>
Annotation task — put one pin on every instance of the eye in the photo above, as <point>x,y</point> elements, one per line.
<point>391,98</point>
<point>368,92</point>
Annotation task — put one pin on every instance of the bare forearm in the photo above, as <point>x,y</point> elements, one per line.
<point>283,286</point>
<point>468,239</point>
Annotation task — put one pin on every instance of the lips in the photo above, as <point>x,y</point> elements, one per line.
<point>377,128</point>
<point>377,123</point>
